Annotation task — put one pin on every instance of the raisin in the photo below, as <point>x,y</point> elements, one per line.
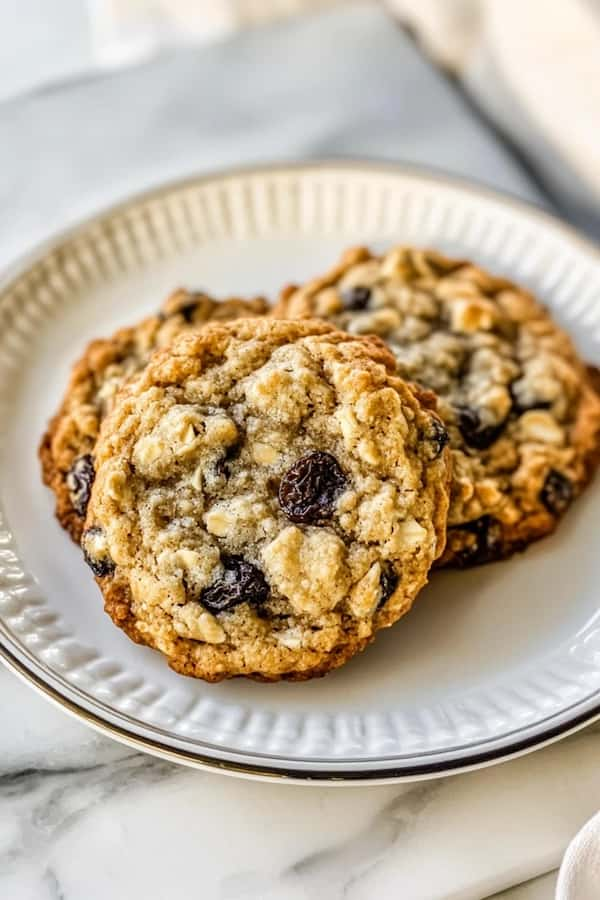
<point>437,437</point>
<point>388,582</point>
<point>100,567</point>
<point>557,492</point>
<point>308,490</point>
<point>474,432</point>
<point>188,310</point>
<point>356,298</point>
<point>184,303</point>
<point>241,582</point>
<point>487,543</point>
<point>95,554</point>
<point>80,479</point>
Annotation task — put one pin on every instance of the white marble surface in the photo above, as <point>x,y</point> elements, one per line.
<point>83,818</point>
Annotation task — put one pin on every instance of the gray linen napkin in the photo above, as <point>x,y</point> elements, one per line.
<point>344,83</point>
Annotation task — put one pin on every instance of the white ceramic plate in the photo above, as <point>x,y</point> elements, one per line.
<point>489,663</point>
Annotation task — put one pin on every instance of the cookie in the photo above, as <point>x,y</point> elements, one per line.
<point>519,405</point>
<point>67,448</point>
<point>267,496</point>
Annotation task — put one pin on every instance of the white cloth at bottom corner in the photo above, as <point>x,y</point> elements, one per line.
<point>579,877</point>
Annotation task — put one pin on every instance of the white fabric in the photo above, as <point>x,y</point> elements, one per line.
<point>489,829</point>
<point>449,32</point>
<point>579,877</point>
<point>44,43</point>
<point>534,68</point>
<point>549,56</point>
<point>125,31</point>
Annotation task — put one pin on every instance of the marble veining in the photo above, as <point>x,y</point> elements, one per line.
<point>82,818</point>
<point>45,804</point>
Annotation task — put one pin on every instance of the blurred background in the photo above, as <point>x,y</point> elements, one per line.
<point>100,99</point>
<point>105,97</point>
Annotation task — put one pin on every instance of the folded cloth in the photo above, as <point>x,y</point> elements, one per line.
<point>125,31</point>
<point>534,69</point>
<point>44,45</point>
<point>347,82</point>
<point>579,877</point>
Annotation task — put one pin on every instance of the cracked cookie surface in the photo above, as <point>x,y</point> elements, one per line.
<point>67,448</point>
<point>268,495</point>
<point>518,403</point>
